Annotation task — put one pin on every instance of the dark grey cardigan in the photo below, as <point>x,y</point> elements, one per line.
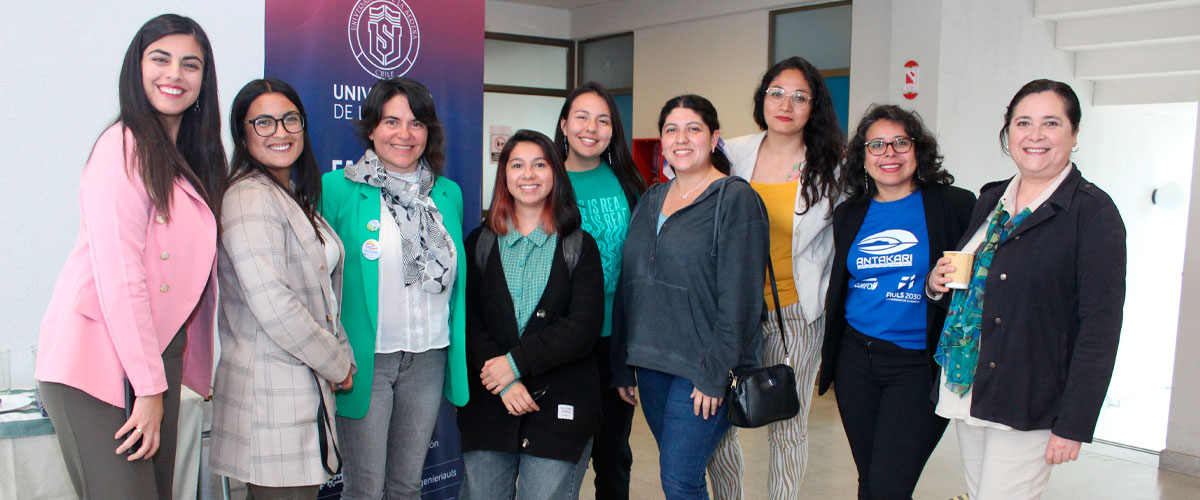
<point>690,298</point>
<point>554,356</point>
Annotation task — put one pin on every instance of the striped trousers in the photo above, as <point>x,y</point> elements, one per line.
<point>788,438</point>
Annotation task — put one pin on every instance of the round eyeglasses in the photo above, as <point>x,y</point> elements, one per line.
<point>900,146</point>
<point>266,126</point>
<point>775,96</point>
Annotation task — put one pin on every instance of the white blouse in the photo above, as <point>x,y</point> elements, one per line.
<point>410,319</point>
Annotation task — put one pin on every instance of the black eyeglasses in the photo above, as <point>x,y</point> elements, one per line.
<point>266,126</point>
<point>900,146</point>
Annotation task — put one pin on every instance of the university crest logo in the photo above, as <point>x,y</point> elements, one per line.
<point>384,37</point>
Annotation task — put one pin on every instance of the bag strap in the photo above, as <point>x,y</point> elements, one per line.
<point>572,246</point>
<point>483,247</point>
<point>787,358</point>
<point>325,432</point>
<point>762,210</point>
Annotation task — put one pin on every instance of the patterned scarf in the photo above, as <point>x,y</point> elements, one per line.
<point>429,254</point>
<point>958,348</point>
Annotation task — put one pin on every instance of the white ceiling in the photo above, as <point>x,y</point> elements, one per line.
<point>559,4</point>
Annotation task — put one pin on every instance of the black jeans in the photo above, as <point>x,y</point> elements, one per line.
<point>611,455</point>
<point>883,395</point>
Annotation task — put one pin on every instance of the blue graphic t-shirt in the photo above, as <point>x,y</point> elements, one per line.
<point>605,213</point>
<point>887,266</point>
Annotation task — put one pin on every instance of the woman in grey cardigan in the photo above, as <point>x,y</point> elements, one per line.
<point>690,295</point>
<point>283,351</point>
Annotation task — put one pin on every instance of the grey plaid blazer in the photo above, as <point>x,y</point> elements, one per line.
<point>280,339</point>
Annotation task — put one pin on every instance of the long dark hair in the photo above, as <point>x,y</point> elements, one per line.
<point>708,114</point>
<point>420,101</point>
<point>823,138</point>
<point>857,184</point>
<point>617,151</point>
<point>197,155</point>
<point>304,172</point>
<point>561,211</point>
<point>1064,92</point>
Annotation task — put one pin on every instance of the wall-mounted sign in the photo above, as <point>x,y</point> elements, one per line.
<point>910,80</point>
<point>499,135</point>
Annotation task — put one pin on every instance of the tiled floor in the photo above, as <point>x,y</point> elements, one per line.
<point>1102,472</point>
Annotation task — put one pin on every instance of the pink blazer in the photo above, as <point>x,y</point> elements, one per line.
<point>132,280</point>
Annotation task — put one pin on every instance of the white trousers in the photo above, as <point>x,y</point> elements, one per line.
<point>788,438</point>
<point>1003,464</point>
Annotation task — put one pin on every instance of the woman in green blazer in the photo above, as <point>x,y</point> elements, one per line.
<point>403,292</point>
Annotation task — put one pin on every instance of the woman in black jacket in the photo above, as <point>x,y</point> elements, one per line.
<point>535,305</point>
<point>1025,372</point>
<point>880,330</point>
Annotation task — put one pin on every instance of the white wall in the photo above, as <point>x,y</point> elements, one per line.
<point>1182,453</point>
<point>714,48</point>
<point>523,19</point>
<point>1129,151</point>
<point>721,59</point>
<point>57,93</point>
<point>987,54</point>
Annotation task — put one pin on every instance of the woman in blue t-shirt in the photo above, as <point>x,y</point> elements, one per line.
<point>607,185</point>
<point>901,213</point>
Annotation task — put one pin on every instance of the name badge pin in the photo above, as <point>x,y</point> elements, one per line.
<point>370,249</point>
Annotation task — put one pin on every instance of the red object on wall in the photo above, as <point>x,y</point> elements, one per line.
<point>911,73</point>
<point>647,154</point>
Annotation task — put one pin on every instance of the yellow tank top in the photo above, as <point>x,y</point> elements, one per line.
<point>780,199</point>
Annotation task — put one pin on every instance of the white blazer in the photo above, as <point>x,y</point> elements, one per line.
<point>812,233</point>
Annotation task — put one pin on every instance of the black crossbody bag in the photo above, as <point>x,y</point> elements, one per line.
<point>759,396</point>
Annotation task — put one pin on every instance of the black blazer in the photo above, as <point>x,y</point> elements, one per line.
<point>1052,310</point>
<point>947,211</point>
<point>554,355</point>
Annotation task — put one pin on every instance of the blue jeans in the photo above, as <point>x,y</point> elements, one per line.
<point>685,441</point>
<point>385,450</point>
<point>506,476</point>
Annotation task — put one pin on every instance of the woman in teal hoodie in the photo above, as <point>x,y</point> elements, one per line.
<point>404,290</point>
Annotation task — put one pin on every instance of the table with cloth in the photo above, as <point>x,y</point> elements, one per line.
<point>32,467</point>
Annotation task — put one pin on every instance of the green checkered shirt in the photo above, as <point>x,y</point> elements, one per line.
<point>526,261</point>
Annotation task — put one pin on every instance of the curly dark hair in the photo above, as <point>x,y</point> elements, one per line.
<point>857,184</point>
<point>822,134</point>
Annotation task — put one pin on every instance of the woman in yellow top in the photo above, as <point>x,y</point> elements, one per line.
<point>791,164</point>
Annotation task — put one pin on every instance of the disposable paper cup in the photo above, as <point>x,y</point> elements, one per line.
<point>962,262</point>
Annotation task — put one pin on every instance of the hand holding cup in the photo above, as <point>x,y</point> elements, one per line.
<point>940,275</point>
<point>953,271</point>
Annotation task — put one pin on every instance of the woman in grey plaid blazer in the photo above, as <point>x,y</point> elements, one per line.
<point>283,351</point>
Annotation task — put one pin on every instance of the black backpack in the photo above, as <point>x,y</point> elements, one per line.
<point>571,246</point>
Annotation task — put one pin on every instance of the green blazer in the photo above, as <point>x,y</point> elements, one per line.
<point>348,206</point>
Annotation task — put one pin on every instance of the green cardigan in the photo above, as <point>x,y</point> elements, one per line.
<point>348,206</point>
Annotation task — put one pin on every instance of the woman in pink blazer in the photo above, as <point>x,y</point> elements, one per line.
<point>133,308</point>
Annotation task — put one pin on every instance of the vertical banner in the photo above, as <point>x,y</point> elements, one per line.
<point>331,52</point>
